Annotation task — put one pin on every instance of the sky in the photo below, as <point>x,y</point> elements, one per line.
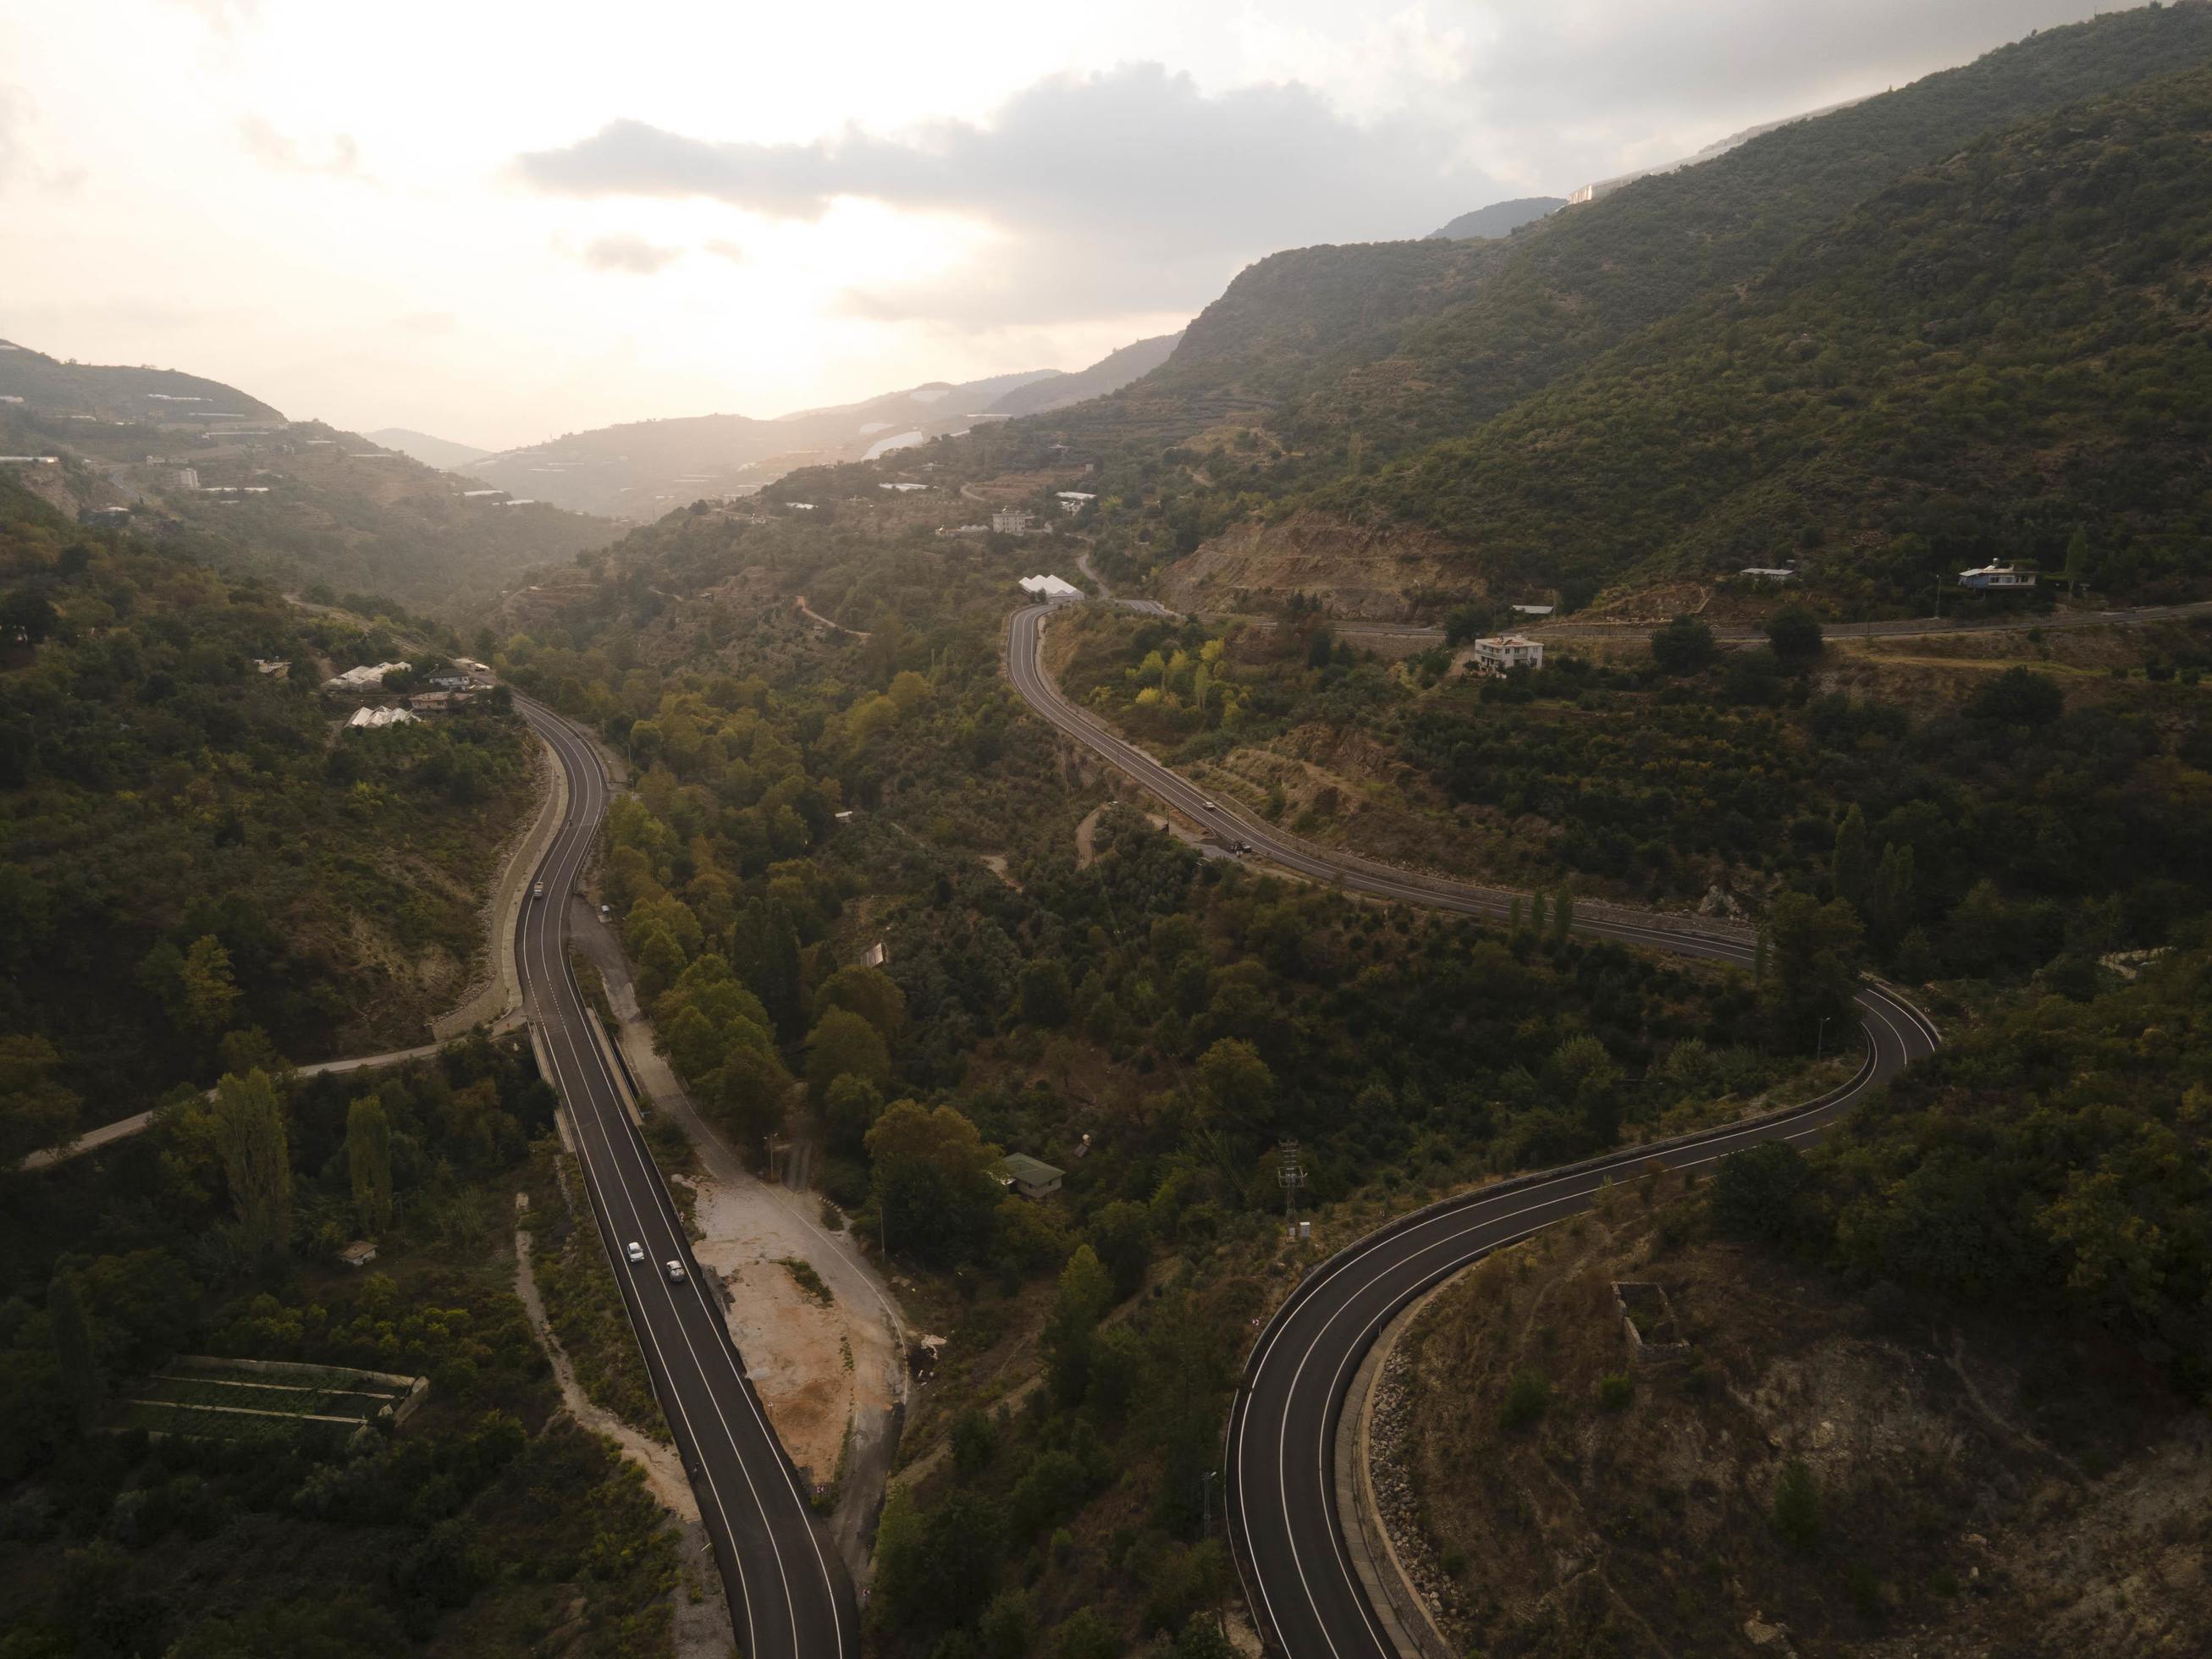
<point>496,223</point>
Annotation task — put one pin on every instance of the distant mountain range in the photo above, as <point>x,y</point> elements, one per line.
<point>641,470</point>
<point>1499,219</point>
<point>441,452</point>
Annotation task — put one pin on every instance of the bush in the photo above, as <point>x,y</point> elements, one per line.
<point>1759,1192</point>
<point>1527,1398</point>
<point>1615,1390</point>
<point>1796,1517</point>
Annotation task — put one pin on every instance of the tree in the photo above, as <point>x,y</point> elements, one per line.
<point>1045,997</point>
<point>368,1160</point>
<point>2077,560</point>
<point>72,1336</point>
<point>35,1110</point>
<point>934,1568</point>
<point>1201,1639</point>
<point>844,1044</point>
<point>1086,1291</point>
<point>1008,1628</point>
<point>1851,867</point>
<point>1563,917</point>
<point>257,1160</point>
<point>850,1111</point>
<point>1238,1088</point>
<point>764,950</point>
<point>1814,968</point>
<point>1121,1233</point>
<point>1759,1193</point>
<point>1685,646</point>
<point>2018,696</point>
<point>1794,635</point>
<point>749,1095</point>
<point>208,990</point>
<point>868,992</point>
<point>1889,909</point>
<point>932,1182</point>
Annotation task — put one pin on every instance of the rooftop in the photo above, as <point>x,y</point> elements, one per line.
<point>1035,1171</point>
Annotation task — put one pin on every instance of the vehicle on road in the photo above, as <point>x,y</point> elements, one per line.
<point>635,1252</point>
<point>1209,806</point>
<point>605,911</point>
<point>675,1270</point>
<point>538,889</point>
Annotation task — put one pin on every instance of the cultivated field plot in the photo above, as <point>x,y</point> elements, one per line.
<point>239,1400</point>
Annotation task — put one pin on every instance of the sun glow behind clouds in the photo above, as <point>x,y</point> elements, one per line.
<point>322,203</point>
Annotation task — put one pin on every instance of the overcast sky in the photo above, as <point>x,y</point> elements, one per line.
<point>497,222</point>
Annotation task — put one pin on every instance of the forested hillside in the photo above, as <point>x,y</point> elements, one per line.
<point>195,870</point>
<point>1062,980</point>
<point>1318,365</point>
<point>1985,360</point>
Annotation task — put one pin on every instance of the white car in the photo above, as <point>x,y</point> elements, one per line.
<point>636,1251</point>
<point>675,1270</point>
<point>538,889</point>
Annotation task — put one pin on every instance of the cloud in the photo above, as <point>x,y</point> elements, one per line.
<point>631,254</point>
<point>723,249</point>
<point>1133,173</point>
<point>340,160</point>
<point>14,157</point>
<point>222,16</point>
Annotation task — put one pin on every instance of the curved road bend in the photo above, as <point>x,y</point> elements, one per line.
<point>789,1597</point>
<point>1282,1433</point>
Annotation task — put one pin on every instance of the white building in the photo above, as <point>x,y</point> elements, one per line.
<point>1989,576</point>
<point>371,719</point>
<point>1074,501</point>
<point>1050,589</point>
<point>1501,654</point>
<point>1534,610</point>
<point>1768,573</point>
<point>1011,521</point>
<point>367,676</point>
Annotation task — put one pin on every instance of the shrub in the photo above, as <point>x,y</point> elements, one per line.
<point>1527,1398</point>
<point>1615,1390</point>
<point>1796,1517</point>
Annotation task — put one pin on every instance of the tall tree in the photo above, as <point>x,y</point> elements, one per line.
<point>1851,869</point>
<point>72,1334</point>
<point>1814,962</point>
<point>368,1160</point>
<point>257,1160</point>
<point>1563,916</point>
<point>1890,905</point>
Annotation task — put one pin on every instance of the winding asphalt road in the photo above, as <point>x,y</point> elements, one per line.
<point>1281,1490</point>
<point>788,1591</point>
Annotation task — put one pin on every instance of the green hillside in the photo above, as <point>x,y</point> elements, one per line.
<point>52,386</point>
<point>1317,366</point>
<point>195,868</point>
<point>1981,359</point>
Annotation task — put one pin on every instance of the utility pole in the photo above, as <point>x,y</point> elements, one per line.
<point>1291,1176</point>
<point>1821,1041</point>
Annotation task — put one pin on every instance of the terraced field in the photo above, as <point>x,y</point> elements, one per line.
<point>210,1399</point>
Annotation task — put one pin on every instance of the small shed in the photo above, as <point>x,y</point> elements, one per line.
<point>1032,1177</point>
<point>359,1253</point>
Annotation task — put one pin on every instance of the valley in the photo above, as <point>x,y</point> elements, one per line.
<point>1503,952</point>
